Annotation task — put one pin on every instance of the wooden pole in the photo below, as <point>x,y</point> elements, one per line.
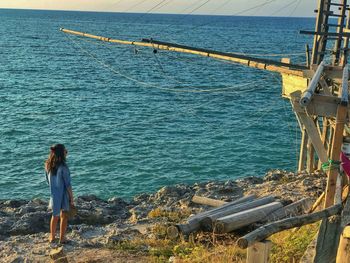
<point>207,201</point>
<point>303,151</point>
<point>340,27</point>
<point>208,221</point>
<point>337,139</point>
<point>310,157</point>
<point>314,135</point>
<point>232,222</point>
<point>265,64</point>
<point>293,209</point>
<point>307,94</point>
<point>267,230</point>
<point>194,223</point>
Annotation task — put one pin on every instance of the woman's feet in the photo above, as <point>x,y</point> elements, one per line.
<point>64,241</point>
<point>52,240</point>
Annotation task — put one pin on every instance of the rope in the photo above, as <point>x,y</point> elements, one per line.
<point>330,165</point>
<point>150,85</point>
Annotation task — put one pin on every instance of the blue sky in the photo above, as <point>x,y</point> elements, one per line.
<point>220,7</point>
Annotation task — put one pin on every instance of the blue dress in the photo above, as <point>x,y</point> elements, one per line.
<point>59,184</point>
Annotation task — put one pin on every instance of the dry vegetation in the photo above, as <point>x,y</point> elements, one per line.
<point>288,246</point>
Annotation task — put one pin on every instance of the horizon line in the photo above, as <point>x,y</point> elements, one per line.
<point>119,12</point>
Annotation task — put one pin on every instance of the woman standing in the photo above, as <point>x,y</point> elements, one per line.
<point>58,177</point>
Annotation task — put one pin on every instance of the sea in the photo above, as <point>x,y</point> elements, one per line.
<point>135,119</point>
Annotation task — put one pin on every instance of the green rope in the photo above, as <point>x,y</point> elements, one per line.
<point>331,164</point>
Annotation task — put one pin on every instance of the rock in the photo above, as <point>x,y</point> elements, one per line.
<point>14,203</point>
<point>31,223</point>
<point>274,175</point>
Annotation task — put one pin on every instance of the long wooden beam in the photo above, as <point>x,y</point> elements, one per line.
<point>265,64</point>
<point>267,230</point>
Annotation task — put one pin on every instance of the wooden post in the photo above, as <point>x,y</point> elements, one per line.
<point>259,252</point>
<point>310,157</point>
<point>303,150</point>
<point>343,254</point>
<point>314,135</point>
<point>337,139</point>
<point>307,54</point>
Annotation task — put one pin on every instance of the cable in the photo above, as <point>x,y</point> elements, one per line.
<point>149,85</point>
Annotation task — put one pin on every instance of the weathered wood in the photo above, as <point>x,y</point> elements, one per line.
<point>320,42</point>
<point>290,210</point>
<point>328,240</point>
<point>232,222</point>
<point>307,94</point>
<point>259,252</point>
<point>317,203</point>
<point>208,222</point>
<point>207,201</point>
<point>335,153</point>
<point>314,136</point>
<point>345,89</point>
<point>241,200</point>
<point>267,230</point>
<point>346,232</point>
<point>259,63</point>
<point>307,55</point>
<point>193,223</point>
<point>310,160</point>
<point>343,253</point>
<point>303,151</point>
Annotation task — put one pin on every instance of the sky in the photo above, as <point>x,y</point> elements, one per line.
<point>300,8</point>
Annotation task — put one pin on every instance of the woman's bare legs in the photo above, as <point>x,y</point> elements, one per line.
<point>63,225</point>
<point>53,226</point>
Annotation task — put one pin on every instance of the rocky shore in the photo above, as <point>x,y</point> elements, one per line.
<point>24,225</point>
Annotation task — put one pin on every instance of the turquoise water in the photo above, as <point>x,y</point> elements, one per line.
<point>135,122</point>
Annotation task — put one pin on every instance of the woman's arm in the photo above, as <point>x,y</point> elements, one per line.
<point>70,193</point>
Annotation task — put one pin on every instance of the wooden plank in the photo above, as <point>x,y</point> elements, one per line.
<point>293,85</point>
<point>265,231</point>
<point>324,135</point>
<point>314,136</point>
<point>232,222</point>
<point>259,252</point>
<point>309,92</point>
<point>207,201</point>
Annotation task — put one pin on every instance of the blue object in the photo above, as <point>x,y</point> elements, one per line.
<point>59,184</point>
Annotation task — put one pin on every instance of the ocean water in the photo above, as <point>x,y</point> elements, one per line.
<point>134,120</point>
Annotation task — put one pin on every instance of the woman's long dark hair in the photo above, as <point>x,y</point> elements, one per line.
<point>56,158</point>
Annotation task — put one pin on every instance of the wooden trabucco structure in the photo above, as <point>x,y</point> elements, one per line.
<point>318,92</point>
